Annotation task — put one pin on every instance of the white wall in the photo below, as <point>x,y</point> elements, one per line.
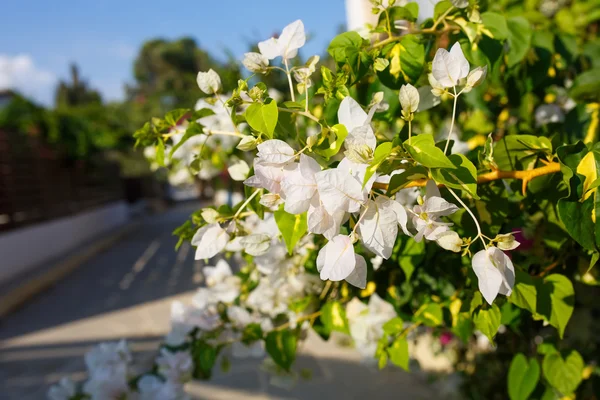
<point>28,247</point>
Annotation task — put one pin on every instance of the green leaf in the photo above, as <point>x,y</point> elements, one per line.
<point>281,346</point>
<point>262,117</point>
<point>463,177</point>
<point>160,153</point>
<point>423,150</point>
<point>398,353</point>
<point>564,374</point>
<point>406,62</point>
<point>339,44</point>
<point>488,321</point>
<point>519,39</point>
<point>292,227</point>
<point>523,376</point>
<point>333,316</point>
<point>252,332</point>
<point>193,129</point>
<point>410,12</point>
<point>381,154</point>
<point>496,25</point>
<point>173,117</point>
<point>515,152</point>
<point>331,141</point>
<point>410,256</point>
<point>551,298</point>
<point>394,326</point>
<point>430,314</point>
<point>204,356</point>
<point>586,86</point>
<point>398,181</point>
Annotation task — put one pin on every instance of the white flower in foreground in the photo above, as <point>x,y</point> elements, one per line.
<point>409,99</point>
<point>379,227</point>
<point>475,78</point>
<point>299,187</point>
<point>209,82</point>
<point>65,389</point>
<point>357,123</point>
<point>323,223</point>
<point>449,66</point>
<point>506,241</point>
<point>495,273</point>
<point>450,240</point>
<point>175,366</point>
<point>426,216</point>
<point>268,176</point>
<point>339,191</point>
<point>275,151</point>
<point>287,44</point>
<point>255,62</point>
<point>337,261</point>
<point>209,240</point>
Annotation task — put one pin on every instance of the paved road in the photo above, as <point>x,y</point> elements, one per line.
<point>126,291</point>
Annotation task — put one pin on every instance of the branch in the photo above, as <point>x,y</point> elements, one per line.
<point>525,176</point>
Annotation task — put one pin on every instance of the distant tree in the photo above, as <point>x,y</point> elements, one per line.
<point>165,73</point>
<point>76,92</point>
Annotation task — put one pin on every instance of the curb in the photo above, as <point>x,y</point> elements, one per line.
<point>14,297</point>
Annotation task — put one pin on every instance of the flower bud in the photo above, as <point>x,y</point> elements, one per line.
<point>506,241</point>
<point>247,143</point>
<point>475,77</point>
<point>209,82</point>
<point>256,62</point>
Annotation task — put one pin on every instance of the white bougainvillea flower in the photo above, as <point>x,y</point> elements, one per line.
<point>549,114</point>
<point>323,223</point>
<point>209,82</point>
<point>409,99</point>
<point>256,244</point>
<point>427,99</point>
<point>275,151</point>
<point>65,389</point>
<point>268,176</point>
<point>506,241</point>
<point>475,78</point>
<point>151,387</point>
<point>217,274</point>
<point>175,366</point>
<point>238,170</point>
<point>209,240</point>
<point>255,62</point>
<point>271,200</point>
<point>299,187</point>
<point>495,273</point>
<point>336,260</point>
<point>339,191</point>
<point>426,216</point>
<point>378,227</point>
<point>286,46</point>
<point>450,240</point>
<point>366,323</point>
<point>449,67</point>
<point>358,277</point>
<point>357,123</point>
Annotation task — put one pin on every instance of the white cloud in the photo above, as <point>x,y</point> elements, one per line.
<point>19,73</point>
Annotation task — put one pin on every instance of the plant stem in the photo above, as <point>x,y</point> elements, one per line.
<point>248,200</point>
<point>479,234</point>
<point>306,114</point>
<point>525,175</point>
<point>409,130</point>
<point>451,123</point>
<point>289,76</point>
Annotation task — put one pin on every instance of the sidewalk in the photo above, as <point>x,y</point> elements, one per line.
<point>126,291</point>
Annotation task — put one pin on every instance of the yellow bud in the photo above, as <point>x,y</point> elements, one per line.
<point>369,290</point>
<point>550,98</point>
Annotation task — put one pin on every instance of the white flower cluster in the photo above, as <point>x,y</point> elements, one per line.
<point>110,371</point>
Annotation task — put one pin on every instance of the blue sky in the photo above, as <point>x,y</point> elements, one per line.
<point>40,38</point>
